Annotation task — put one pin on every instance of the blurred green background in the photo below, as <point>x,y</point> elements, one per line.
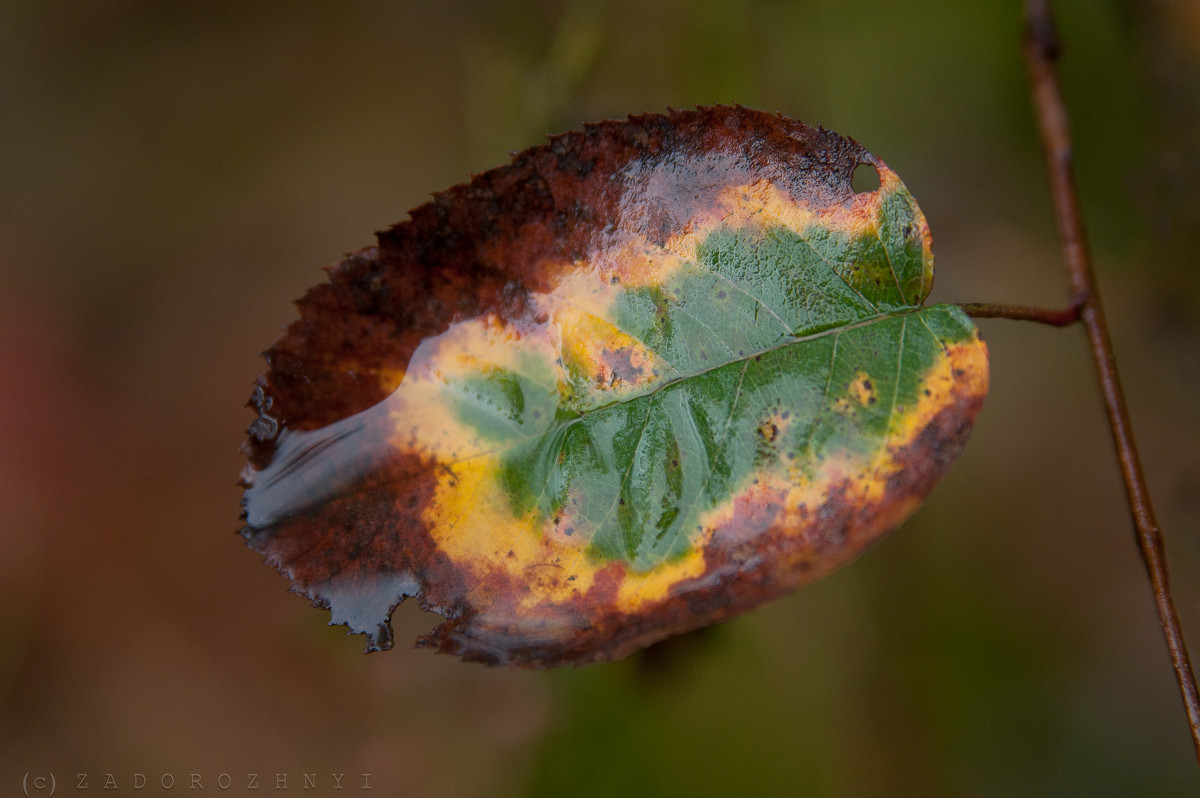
<point>172,175</point>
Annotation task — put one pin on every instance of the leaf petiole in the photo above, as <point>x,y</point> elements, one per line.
<point>1054,317</point>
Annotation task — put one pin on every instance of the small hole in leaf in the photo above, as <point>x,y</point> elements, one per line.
<point>865,178</point>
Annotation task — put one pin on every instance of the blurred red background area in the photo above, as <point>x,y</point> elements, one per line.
<point>173,175</point>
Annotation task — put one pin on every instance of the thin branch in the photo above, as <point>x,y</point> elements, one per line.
<point>990,310</point>
<point>1041,51</point>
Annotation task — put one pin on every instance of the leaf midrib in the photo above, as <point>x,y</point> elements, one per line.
<point>665,384</point>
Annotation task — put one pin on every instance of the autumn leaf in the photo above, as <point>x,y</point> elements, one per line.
<point>645,378</point>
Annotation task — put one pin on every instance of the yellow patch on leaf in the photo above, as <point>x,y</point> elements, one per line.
<point>470,519</point>
<point>862,388</point>
<point>959,376</point>
<point>640,589</point>
<point>606,359</point>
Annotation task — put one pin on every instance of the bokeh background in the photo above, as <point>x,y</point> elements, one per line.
<point>172,175</point>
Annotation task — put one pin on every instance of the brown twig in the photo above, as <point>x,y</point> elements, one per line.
<point>1041,51</point>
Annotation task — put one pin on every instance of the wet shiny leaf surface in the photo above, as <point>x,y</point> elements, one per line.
<point>643,379</point>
